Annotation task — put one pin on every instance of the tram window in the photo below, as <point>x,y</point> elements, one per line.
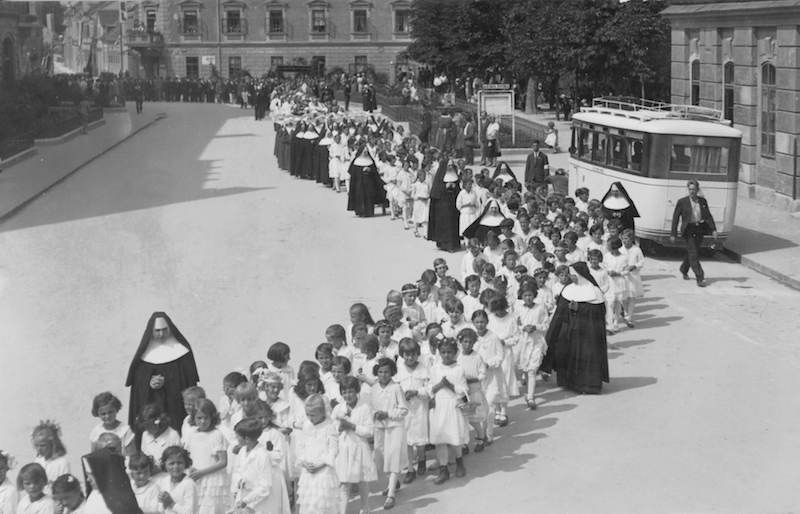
<point>586,145</point>
<point>618,151</point>
<point>699,159</point>
<point>635,150</point>
<point>599,150</point>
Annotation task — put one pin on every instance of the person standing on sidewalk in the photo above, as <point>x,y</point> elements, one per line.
<point>347,89</point>
<point>696,222</point>
<point>537,168</point>
<point>83,109</point>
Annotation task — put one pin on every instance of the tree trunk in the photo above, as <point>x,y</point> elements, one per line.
<point>530,96</point>
<point>641,78</point>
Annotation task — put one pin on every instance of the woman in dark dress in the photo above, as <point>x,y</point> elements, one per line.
<point>616,204</point>
<point>366,187</point>
<point>489,220</point>
<point>576,339</point>
<point>443,216</point>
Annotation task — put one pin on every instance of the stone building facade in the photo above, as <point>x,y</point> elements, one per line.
<point>743,57</point>
<point>187,37</point>
<point>21,43</point>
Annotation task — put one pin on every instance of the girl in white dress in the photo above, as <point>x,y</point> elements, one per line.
<point>106,406</point>
<point>413,377</point>
<point>144,486</point>
<point>505,327</point>
<point>420,193</point>
<point>634,278</point>
<point>32,479</point>
<point>405,179</point>
<point>157,435</point>
<point>389,404</point>
<point>534,321</point>
<point>354,463</point>
<point>50,451</point>
<point>316,457</point>
<point>9,497</point>
<point>68,494</point>
<point>279,354</point>
<point>273,440</point>
<point>257,482</point>
<point>178,491</point>
<point>616,265</point>
<point>467,205</point>
<point>209,446</point>
<point>228,406</point>
<point>475,371</point>
<point>448,430</point>
<point>334,158</point>
<point>494,386</point>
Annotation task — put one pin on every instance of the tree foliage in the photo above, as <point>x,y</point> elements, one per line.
<point>600,46</point>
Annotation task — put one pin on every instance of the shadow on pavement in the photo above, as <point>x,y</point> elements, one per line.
<point>629,344</point>
<point>757,242</point>
<point>618,384</point>
<point>651,321</point>
<point>160,166</point>
<point>740,280</point>
<point>650,278</point>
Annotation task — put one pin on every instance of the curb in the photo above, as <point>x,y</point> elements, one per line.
<point>18,158</point>
<point>764,270</point>
<point>16,210</point>
<point>63,138</point>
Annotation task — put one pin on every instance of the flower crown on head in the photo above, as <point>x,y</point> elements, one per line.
<point>48,423</point>
<point>11,462</point>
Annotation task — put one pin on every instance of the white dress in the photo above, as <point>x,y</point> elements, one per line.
<point>319,492</point>
<point>448,423</point>
<point>507,330</point>
<point>9,497</point>
<point>155,446</point>
<point>54,468</point>
<point>259,483</point>
<point>475,372</point>
<point>532,345</point>
<point>634,278</point>
<point>491,350</point>
<point>212,489</point>
<point>288,378</point>
<point>147,496</point>
<point>184,494</point>
<point>44,505</point>
<point>354,463</point>
<point>416,421</point>
<point>420,192</point>
<point>123,431</point>
<point>279,453</point>
<point>618,292</point>
<point>390,433</point>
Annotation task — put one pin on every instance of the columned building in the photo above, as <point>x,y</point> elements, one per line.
<point>743,57</point>
<point>186,38</point>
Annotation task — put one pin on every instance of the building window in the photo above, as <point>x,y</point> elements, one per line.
<point>150,20</point>
<point>768,94</point>
<point>275,61</point>
<point>360,25</point>
<point>193,67</point>
<point>727,94</point>
<point>695,80</point>
<point>234,66</point>
<point>276,22</point>
<point>318,65</point>
<point>191,22</point>
<point>319,24</point>
<point>233,22</point>
<point>401,22</point>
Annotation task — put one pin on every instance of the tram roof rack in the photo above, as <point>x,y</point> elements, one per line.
<point>643,109</point>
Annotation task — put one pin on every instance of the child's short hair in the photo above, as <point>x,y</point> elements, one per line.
<point>596,228</point>
<point>255,369</point>
<point>263,409</point>
<point>614,242</point>
<point>385,361</point>
<point>528,287</point>
<point>429,276</point>
<point>245,391</point>
<point>234,378</point>
<point>486,296</point>
<point>562,269</point>
<point>571,236</point>
<point>368,343</point>
<point>336,332</point>
<point>193,393</point>
<point>409,288</point>
<point>382,324</point>
<point>498,303</point>
<point>594,252</point>
<point>614,223</point>
<point>52,432</point>
<point>305,375</point>
<point>480,313</point>
<point>32,472</point>
<point>628,232</point>
<point>310,365</point>
<point>152,412</point>
<point>67,484</point>
<point>467,333</point>
<point>324,349</point>
<point>448,342</point>
<point>408,345</point>
<point>103,399</point>
<point>208,408</point>
<point>358,327</point>
<point>361,309</point>
<point>472,278</point>
<point>249,428</point>
<point>394,297</point>
<point>173,451</point>
<point>349,383</point>
<point>140,461</point>
<point>279,352</point>
<point>315,403</point>
<point>344,362</point>
<point>489,269</point>
<point>453,305</point>
<point>431,326</point>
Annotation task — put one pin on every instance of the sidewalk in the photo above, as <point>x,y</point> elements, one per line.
<point>25,181</point>
<point>764,239</point>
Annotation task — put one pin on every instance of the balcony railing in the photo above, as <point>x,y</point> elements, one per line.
<point>327,31</point>
<point>143,38</point>
<point>362,31</point>
<point>234,26</point>
<point>194,29</point>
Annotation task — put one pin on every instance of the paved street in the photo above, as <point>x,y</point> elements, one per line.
<point>192,216</point>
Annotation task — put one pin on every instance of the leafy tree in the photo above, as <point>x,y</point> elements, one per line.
<point>58,10</point>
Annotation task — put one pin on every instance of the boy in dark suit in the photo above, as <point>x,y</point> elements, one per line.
<point>696,221</point>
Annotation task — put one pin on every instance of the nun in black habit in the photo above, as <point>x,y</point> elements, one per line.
<point>504,173</point>
<point>296,144</point>
<point>616,204</point>
<point>490,219</point>
<point>308,160</point>
<point>161,370</point>
<point>443,215</point>
<point>366,186</point>
<point>322,174</point>
<point>108,487</point>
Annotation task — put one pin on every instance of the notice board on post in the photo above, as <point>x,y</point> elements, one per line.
<point>497,100</point>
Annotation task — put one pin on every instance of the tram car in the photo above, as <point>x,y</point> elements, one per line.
<point>653,149</point>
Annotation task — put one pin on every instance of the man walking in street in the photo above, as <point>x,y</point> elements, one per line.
<point>537,168</point>
<point>696,222</point>
<point>347,89</point>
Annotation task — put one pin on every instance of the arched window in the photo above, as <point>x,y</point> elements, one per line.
<point>8,61</point>
<point>768,94</point>
<point>727,94</point>
<point>695,79</point>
